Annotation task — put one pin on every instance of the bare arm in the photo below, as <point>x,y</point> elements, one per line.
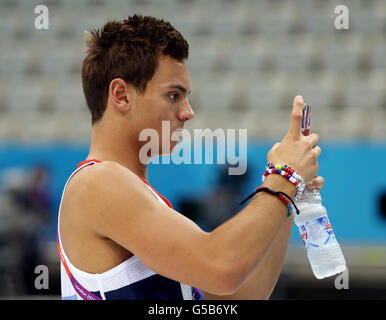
<point>261,283</point>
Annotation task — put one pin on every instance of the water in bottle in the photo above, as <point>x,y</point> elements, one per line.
<point>323,251</point>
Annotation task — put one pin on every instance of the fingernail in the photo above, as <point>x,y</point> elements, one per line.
<point>299,99</point>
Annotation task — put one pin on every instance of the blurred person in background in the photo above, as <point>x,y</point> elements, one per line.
<point>40,204</point>
<point>26,209</point>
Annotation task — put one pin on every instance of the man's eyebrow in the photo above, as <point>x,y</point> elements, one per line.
<point>179,87</point>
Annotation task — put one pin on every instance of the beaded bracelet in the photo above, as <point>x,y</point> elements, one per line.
<point>281,195</point>
<point>288,173</point>
<point>286,168</point>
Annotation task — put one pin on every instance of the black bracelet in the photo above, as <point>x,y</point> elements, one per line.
<point>279,194</point>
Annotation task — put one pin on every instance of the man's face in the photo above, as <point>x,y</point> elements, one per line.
<point>165,99</point>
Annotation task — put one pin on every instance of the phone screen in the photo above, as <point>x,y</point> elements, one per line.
<point>306,119</point>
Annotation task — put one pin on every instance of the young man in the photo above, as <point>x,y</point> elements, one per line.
<point>117,237</point>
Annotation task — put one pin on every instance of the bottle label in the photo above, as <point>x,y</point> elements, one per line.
<point>317,232</point>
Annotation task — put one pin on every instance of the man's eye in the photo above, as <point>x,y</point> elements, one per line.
<point>173,96</point>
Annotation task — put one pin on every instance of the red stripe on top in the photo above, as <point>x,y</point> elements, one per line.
<point>162,197</point>
<point>86,161</point>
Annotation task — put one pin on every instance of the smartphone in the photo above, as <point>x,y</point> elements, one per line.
<point>306,119</point>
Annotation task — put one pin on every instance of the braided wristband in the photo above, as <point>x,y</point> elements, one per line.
<point>281,195</point>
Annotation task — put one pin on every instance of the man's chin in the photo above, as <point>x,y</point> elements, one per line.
<point>173,147</point>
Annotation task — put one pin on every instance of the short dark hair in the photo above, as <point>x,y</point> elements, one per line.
<point>127,49</point>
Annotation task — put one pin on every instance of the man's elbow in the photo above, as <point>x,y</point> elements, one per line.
<point>231,286</point>
<point>226,281</point>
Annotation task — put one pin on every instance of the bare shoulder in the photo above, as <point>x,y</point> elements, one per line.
<point>99,173</point>
<point>103,189</point>
<point>100,177</point>
<point>112,180</point>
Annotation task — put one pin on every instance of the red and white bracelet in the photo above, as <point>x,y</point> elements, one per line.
<point>288,173</point>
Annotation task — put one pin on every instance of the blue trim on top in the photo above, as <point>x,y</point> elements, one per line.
<point>155,287</point>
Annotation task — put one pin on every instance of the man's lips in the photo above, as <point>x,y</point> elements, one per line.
<point>178,133</point>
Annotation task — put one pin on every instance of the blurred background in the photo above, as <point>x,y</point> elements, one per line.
<point>248,59</point>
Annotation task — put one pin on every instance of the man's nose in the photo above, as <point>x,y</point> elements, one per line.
<point>186,114</point>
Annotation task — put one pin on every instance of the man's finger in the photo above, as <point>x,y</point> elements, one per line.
<point>313,138</point>
<point>296,116</point>
<point>316,183</point>
<point>275,145</point>
<point>317,150</point>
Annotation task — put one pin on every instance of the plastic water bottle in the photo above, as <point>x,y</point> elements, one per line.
<point>323,251</point>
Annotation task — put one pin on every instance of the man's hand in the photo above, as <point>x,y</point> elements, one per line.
<point>298,151</point>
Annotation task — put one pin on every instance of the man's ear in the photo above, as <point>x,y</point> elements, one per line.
<point>118,94</point>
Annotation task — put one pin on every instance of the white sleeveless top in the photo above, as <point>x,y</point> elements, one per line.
<point>131,279</point>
